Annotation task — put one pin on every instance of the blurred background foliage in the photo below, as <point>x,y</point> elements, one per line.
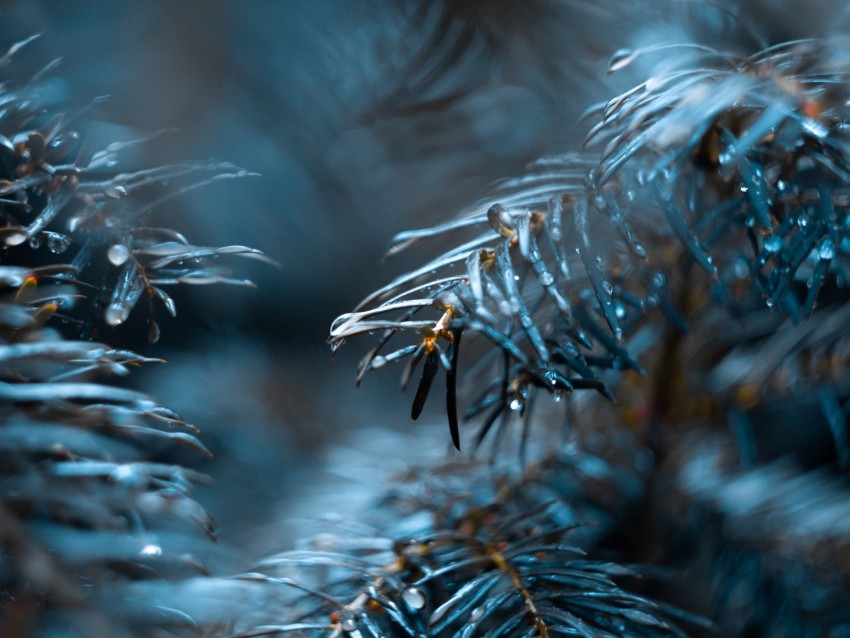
<point>357,137</point>
<point>314,96</point>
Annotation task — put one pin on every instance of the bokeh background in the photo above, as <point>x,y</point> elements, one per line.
<point>364,119</point>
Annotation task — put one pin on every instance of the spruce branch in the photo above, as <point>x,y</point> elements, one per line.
<point>86,507</point>
<point>698,237</point>
<point>739,160</point>
<point>465,551</point>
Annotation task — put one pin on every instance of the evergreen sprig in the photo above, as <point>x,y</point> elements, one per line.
<point>464,551</point>
<point>86,507</point>
<point>698,237</point>
<point>741,161</point>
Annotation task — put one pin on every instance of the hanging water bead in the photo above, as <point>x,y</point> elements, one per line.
<point>151,550</point>
<point>501,221</point>
<point>772,244</point>
<point>116,314</point>
<point>16,238</point>
<point>116,192</point>
<point>742,268</point>
<point>826,249</point>
<point>57,243</point>
<point>118,254</point>
<point>128,289</point>
<point>414,597</point>
<point>154,332</point>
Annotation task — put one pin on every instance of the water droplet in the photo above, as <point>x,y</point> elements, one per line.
<point>500,220</point>
<point>57,242</point>
<point>546,279</point>
<point>16,238</point>
<point>414,597</point>
<point>116,314</point>
<point>122,473</point>
<point>744,189</point>
<point>802,221</point>
<point>620,311</point>
<point>476,614</point>
<point>35,242</point>
<point>826,249</point>
<point>515,405</point>
<point>151,550</point>
<point>378,362</point>
<point>117,254</point>
<point>658,280</point>
<point>153,332</point>
<point>608,286</point>
<point>516,277</point>
<point>621,58</point>
<point>742,268</point>
<point>116,191</point>
<point>815,128</point>
<point>772,244</point>
<point>769,302</point>
<point>349,624</point>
